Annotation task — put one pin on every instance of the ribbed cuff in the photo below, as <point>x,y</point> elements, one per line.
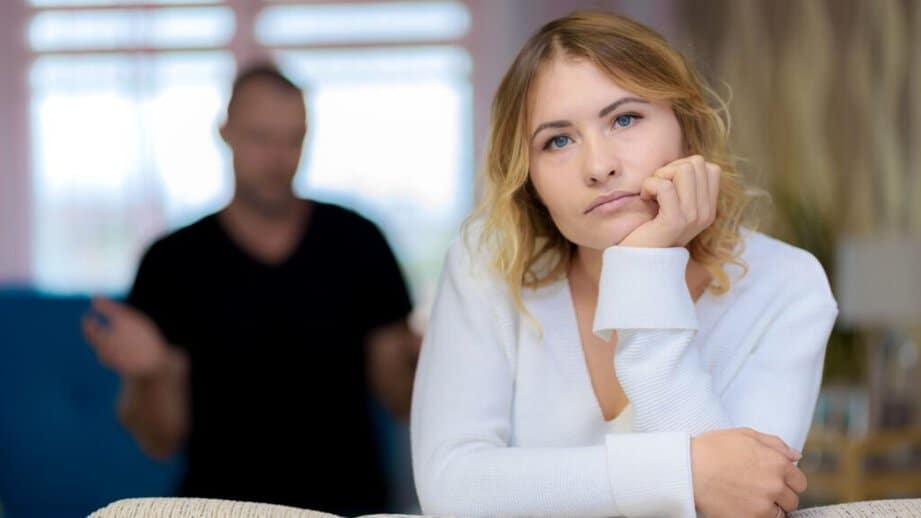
<point>643,288</point>
<point>650,474</point>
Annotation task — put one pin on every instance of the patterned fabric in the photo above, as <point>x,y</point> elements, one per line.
<point>904,508</point>
<point>209,508</point>
<point>200,508</point>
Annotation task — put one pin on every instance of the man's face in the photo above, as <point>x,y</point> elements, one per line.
<point>265,130</point>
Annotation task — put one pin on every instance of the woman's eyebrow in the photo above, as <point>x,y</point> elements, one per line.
<point>604,111</point>
<point>614,105</point>
<point>551,124</point>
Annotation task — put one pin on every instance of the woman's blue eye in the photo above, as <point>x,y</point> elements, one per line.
<point>557,142</point>
<point>624,120</point>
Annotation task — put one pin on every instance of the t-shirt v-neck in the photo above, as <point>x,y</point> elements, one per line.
<point>312,214</point>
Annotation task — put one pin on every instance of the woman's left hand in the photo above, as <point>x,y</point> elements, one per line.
<point>687,191</point>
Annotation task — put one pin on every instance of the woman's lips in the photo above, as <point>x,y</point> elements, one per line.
<point>613,205</point>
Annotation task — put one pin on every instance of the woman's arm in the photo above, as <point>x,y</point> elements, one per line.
<point>461,426</point>
<point>643,296</point>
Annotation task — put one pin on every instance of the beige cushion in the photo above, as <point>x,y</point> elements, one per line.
<point>207,508</point>
<point>905,508</point>
<point>200,508</point>
<point>211,508</point>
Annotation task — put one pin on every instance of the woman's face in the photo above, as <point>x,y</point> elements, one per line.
<point>591,141</point>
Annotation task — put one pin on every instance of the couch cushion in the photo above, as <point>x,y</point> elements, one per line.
<point>200,508</point>
<point>212,508</point>
<point>902,508</point>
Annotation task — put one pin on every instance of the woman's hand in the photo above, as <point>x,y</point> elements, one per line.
<point>742,472</point>
<point>687,191</point>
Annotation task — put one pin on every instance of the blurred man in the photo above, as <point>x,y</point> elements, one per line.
<point>254,336</point>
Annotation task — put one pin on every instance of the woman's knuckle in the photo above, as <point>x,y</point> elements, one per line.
<point>777,487</point>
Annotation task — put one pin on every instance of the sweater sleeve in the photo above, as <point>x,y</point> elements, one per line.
<point>461,425</point>
<point>644,298</point>
<point>461,419</point>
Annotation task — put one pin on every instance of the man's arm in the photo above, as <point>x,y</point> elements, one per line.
<point>392,351</point>
<point>154,400</point>
<point>155,408</point>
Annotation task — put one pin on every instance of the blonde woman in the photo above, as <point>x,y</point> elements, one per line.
<point>608,338</point>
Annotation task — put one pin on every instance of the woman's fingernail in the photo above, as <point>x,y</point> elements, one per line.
<point>796,454</point>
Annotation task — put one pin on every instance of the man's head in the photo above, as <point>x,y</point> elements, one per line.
<point>265,129</point>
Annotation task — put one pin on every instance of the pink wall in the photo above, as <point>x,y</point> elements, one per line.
<point>15,186</point>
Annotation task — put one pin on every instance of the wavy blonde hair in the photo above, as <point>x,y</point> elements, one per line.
<point>516,227</point>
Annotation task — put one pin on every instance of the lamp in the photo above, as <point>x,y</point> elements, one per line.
<point>878,285</point>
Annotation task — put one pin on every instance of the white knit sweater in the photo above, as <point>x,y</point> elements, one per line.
<point>505,421</point>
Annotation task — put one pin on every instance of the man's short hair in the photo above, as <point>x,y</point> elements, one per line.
<point>261,72</point>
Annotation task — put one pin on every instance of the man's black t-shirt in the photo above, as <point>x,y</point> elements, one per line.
<point>279,409</point>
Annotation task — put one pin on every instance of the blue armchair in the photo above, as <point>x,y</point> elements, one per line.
<point>62,450</point>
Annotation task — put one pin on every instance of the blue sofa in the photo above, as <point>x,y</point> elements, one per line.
<point>62,451</point>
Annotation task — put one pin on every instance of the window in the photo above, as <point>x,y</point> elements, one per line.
<point>392,138</point>
<point>126,99</point>
<point>125,104</point>
<point>120,28</point>
<point>362,23</point>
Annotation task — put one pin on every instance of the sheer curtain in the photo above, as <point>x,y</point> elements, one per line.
<point>126,98</point>
<point>124,108</point>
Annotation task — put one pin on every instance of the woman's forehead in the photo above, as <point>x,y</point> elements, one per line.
<point>572,86</point>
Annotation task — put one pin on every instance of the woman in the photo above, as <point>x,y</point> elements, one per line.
<point>608,339</point>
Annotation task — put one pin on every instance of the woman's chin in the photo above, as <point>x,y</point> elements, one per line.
<point>606,233</point>
<point>616,229</point>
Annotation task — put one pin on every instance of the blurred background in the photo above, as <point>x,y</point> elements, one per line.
<point>109,111</point>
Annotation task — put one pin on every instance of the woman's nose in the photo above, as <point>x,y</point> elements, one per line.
<point>600,163</point>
